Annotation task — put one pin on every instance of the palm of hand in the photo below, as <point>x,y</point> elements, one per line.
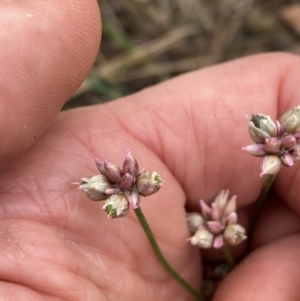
<point>56,243</point>
<point>59,245</point>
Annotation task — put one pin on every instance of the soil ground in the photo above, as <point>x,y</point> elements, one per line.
<point>148,41</point>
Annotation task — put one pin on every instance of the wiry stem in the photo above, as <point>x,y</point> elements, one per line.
<point>259,204</point>
<point>161,257</point>
<point>228,256</point>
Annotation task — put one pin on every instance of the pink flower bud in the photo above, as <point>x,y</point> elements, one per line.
<point>113,171</point>
<point>114,189</point>
<point>297,136</point>
<point>205,209</point>
<point>215,227</point>
<point>149,183</point>
<point>215,212</point>
<point>133,198</point>
<point>270,165</point>
<point>100,166</point>
<point>280,129</point>
<point>296,152</point>
<point>257,150</point>
<point>126,181</point>
<point>272,145</point>
<point>116,206</point>
<point>287,159</point>
<point>218,242</point>
<point>130,165</point>
<point>288,142</point>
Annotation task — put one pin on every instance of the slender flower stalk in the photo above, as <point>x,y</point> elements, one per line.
<point>259,205</point>
<point>228,256</point>
<point>160,256</point>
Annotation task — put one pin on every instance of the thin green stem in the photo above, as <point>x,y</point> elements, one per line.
<point>160,256</point>
<point>259,204</point>
<point>228,256</point>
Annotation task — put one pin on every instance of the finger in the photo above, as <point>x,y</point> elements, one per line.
<point>196,123</point>
<point>270,273</point>
<point>276,221</point>
<point>47,49</point>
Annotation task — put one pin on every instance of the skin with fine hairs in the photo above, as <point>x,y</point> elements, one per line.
<point>56,244</point>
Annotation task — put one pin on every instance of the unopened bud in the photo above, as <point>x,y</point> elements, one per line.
<point>257,150</point>
<point>288,142</point>
<point>231,218</point>
<point>215,227</point>
<point>261,127</point>
<point>126,181</point>
<point>113,171</point>
<point>218,242</point>
<point>202,238</point>
<point>149,183</point>
<point>280,129</point>
<point>114,189</point>
<point>205,209</point>
<point>234,234</point>
<point>116,206</point>
<point>133,198</point>
<point>130,165</point>
<point>290,120</point>
<point>287,159</point>
<point>230,207</point>
<point>272,145</point>
<point>95,187</point>
<point>221,199</point>
<point>100,166</point>
<point>270,165</point>
<point>297,137</point>
<point>215,212</point>
<point>194,221</point>
<point>296,152</point>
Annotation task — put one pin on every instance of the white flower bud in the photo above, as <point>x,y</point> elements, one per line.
<point>262,127</point>
<point>270,165</point>
<point>149,183</point>
<point>116,205</point>
<point>95,187</point>
<point>234,234</point>
<point>202,238</point>
<point>290,120</point>
<point>194,221</point>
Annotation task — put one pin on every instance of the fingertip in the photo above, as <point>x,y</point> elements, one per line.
<point>269,273</point>
<point>48,47</point>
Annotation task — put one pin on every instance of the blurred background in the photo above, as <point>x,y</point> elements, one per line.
<point>148,41</point>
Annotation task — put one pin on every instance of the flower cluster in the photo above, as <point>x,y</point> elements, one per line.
<point>120,187</point>
<point>278,142</point>
<point>217,224</point>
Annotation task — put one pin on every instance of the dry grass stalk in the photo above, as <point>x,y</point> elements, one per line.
<point>141,53</point>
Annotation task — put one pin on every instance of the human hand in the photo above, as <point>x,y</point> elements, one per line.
<point>59,245</point>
